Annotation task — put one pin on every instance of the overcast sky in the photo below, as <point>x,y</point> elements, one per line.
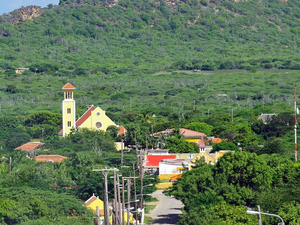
<point>7,6</point>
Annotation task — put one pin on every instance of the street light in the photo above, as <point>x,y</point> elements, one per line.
<point>250,212</point>
<point>148,185</point>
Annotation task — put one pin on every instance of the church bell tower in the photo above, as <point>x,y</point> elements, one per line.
<point>68,109</point>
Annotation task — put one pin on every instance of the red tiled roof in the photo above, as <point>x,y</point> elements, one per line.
<point>190,133</point>
<point>60,132</point>
<point>187,133</point>
<point>29,146</point>
<point>50,158</point>
<point>216,140</point>
<point>122,130</point>
<point>68,86</point>
<point>85,116</point>
<point>154,160</point>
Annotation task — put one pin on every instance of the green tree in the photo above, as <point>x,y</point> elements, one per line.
<point>177,145</point>
<point>224,146</point>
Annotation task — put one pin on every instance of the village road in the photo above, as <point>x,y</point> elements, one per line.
<point>167,211</point>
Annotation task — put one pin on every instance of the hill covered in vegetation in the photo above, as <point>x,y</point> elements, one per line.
<point>80,37</point>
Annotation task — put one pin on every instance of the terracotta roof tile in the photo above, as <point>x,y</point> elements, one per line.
<point>122,131</point>
<point>190,133</point>
<point>85,116</point>
<point>154,160</point>
<point>29,146</point>
<point>50,158</point>
<point>187,133</point>
<point>68,86</point>
<point>216,140</point>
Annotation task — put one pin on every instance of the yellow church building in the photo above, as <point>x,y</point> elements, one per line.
<point>94,118</point>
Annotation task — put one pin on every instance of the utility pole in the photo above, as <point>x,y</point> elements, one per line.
<point>119,201</point>
<point>105,192</point>
<point>115,222</point>
<point>122,152</point>
<point>134,185</point>
<point>128,200</point>
<point>259,215</point>
<point>141,177</point>
<point>123,202</point>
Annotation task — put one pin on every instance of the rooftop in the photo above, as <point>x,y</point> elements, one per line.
<point>50,158</point>
<point>29,146</point>
<point>68,86</point>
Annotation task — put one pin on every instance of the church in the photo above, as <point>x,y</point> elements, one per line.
<point>93,118</point>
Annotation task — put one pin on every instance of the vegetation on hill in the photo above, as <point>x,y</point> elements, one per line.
<point>134,37</point>
<point>212,66</point>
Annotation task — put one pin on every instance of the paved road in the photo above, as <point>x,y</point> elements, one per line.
<point>167,211</point>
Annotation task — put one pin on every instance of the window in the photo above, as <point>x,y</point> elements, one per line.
<point>98,125</point>
<point>98,113</point>
<point>69,110</point>
<point>68,95</point>
<point>69,123</point>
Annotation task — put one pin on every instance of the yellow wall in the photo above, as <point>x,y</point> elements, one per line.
<point>95,117</point>
<point>205,155</point>
<point>192,139</point>
<point>68,116</point>
<point>165,176</point>
<point>119,145</point>
<point>96,203</point>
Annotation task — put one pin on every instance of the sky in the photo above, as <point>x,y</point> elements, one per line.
<point>7,6</point>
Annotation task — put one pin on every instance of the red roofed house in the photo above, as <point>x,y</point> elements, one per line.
<point>152,161</point>
<point>188,135</point>
<point>93,118</point>
<point>30,148</point>
<point>50,158</point>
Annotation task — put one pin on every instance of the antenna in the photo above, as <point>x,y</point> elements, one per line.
<point>295,98</point>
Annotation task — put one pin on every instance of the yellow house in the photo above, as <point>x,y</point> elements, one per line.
<point>94,118</point>
<point>94,201</point>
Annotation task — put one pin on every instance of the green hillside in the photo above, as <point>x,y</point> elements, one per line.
<point>211,66</point>
<point>80,37</point>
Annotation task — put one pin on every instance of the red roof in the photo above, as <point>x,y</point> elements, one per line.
<point>154,160</point>
<point>29,146</point>
<point>50,158</point>
<point>216,140</point>
<point>85,116</point>
<point>68,86</point>
<point>187,133</point>
<point>122,131</point>
<point>190,133</point>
